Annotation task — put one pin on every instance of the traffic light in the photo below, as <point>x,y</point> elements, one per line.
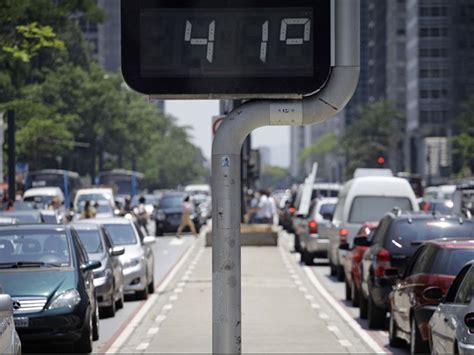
<point>381,160</point>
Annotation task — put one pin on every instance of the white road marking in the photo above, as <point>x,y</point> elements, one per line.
<point>323,315</point>
<point>308,297</point>
<point>128,331</point>
<point>185,278</point>
<point>345,343</point>
<point>176,241</point>
<point>142,346</point>
<point>178,290</point>
<point>153,331</point>
<point>298,283</point>
<point>303,289</point>
<point>342,312</point>
<point>160,318</point>
<point>315,306</point>
<point>333,329</point>
<point>168,307</point>
<point>173,298</point>
<point>181,284</point>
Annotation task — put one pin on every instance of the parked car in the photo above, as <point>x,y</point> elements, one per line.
<point>312,243</point>
<point>108,279</point>
<point>168,216</point>
<point>138,261</point>
<point>452,324</point>
<point>364,200</point>
<point>46,271</point>
<point>9,341</point>
<point>352,263</point>
<point>434,265</point>
<point>42,197</point>
<point>24,217</point>
<point>394,242</point>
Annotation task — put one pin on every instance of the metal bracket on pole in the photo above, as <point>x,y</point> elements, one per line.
<point>226,179</point>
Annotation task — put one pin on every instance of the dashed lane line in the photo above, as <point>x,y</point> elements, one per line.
<point>143,346</point>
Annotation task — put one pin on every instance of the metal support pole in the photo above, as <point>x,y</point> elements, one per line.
<point>11,155</point>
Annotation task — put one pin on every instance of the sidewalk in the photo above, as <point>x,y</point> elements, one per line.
<point>277,316</point>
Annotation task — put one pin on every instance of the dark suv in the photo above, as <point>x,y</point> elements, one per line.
<point>394,242</point>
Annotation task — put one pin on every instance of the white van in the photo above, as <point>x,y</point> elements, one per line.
<point>94,194</point>
<point>361,200</point>
<point>43,196</point>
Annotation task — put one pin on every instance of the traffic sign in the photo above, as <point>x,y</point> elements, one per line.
<point>260,49</point>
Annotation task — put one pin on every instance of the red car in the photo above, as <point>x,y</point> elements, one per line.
<point>352,264</point>
<point>434,266</point>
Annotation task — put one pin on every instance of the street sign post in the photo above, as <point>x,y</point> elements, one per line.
<point>301,57</point>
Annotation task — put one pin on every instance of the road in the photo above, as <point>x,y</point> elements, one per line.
<point>168,250</point>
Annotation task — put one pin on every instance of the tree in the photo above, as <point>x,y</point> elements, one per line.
<point>274,177</point>
<point>377,129</point>
<point>326,144</point>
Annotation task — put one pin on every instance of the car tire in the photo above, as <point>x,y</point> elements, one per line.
<point>151,286</point>
<point>393,340</point>
<point>332,268</point>
<point>417,345</point>
<point>348,291</point>
<point>297,244</point>
<point>355,294</point>
<point>363,305</point>
<point>375,315</point>
<point>84,344</point>
<point>340,273</point>
<point>109,312</point>
<point>95,323</point>
<point>142,295</point>
<point>121,300</point>
<point>159,233</point>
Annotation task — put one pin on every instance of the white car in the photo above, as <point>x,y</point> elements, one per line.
<point>138,261</point>
<point>94,194</point>
<point>9,340</point>
<point>42,196</point>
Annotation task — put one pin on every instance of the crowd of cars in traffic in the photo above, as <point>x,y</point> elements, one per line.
<point>60,272</point>
<point>407,262</point>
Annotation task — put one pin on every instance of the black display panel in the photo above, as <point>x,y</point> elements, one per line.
<point>227,48</point>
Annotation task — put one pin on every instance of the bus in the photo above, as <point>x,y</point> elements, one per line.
<point>124,182</point>
<point>68,181</point>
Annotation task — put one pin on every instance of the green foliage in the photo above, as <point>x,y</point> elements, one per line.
<point>377,129</point>
<point>326,144</point>
<point>273,176</point>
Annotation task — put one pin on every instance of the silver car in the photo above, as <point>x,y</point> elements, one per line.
<point>138,261</point>
<point>313,243</point>
<point>452,324</point>
<point>9,340</point>
<point>108,279</point>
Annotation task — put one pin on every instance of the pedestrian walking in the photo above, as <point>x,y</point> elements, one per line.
<point>186,221</point>
<point>265,208</point>
<point>142,214</point>
<point>89,211</point>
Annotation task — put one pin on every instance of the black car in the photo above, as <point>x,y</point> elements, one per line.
<point>108,279</point>
<point>393,244</point>
<point>168,215</point>
<point>49,276</point>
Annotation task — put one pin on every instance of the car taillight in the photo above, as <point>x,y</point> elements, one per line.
<point>343,234</point>
<point>292,210</point>
<point>356,256</point>
<point>313,226</point>
<point>382,263</point>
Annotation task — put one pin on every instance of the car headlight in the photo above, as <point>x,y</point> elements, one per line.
<point>69,299</point>
<point>160,215</point>
<point>131,263</point>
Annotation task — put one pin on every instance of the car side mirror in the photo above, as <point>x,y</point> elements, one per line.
<point>433,294</point>
<point>117,251</point>
<point>91,265</point>
<point>149,240</point>
<point>361,242</point>
<point>469,320</point>
<point>392,273</point>
<point>6,304</point>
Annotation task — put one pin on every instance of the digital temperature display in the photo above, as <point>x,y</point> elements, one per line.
<point>226,48</point>
<point>223,43</point>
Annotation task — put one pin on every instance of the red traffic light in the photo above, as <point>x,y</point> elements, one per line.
<point>381,160</point>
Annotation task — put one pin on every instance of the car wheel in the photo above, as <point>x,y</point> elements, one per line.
<point>95,323</point>
<point>355,294</point>
<point>375,315</point>
<point>348,291</point>
<point>151,286</point>
<point>297,244</point>
<point>159,233</point>
<point>109,311</point>
<point>332,268</point>
<point>121,300</point>
<point>394,341</point>
<point>417,345</point>
<point>142,295</point>
<point>363,305</point>
<point>307,257</point>
<point>84,344</point>
<point>340,273</point>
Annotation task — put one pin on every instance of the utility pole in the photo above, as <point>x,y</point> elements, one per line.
<point>11,155</point>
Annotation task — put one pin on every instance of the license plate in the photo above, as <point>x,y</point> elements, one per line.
<point>22,322</point>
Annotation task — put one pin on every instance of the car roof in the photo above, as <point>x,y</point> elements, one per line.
<point>94,190</point>
<point>41,227</point>
<point>323,200</point>
<point>48,191</point>
<point>112,220</point>
<point>20,213</point>
<point>417,216</point>
<point>85,226</point>
<point>453,243</point>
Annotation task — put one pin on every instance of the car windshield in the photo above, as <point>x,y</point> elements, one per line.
<point>171,201</point>
<point>324,193</point>
<point>372,208</point>
<point>39,200</point>
<point>451,261</point>
<point>406,236</point>
<point>121,234</point>
<point>20,248</point>
<point>327,208</point>
<point>23,218</point>
<point>91,197</point>
<point>91,240</point>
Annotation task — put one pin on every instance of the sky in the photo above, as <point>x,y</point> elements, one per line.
<point>198,115</point>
